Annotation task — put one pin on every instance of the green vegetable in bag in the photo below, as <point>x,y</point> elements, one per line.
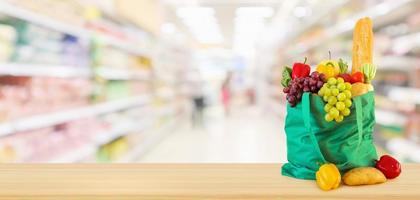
<point>343,66</point>
<point>286,76</point>
<point>369,70</point>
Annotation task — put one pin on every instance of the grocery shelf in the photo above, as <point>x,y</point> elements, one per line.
<point>401,63</point>
<point>103,138</point>
<point>45,120</point>
<point>120,130</point>
<point>23,69</point>
<point>404,94</point>
<point>346,26</point>
<point>121,74</point>
<point>45,21</point>
<point>75,155</point>
<point>388,117</point>
<point>122,45</point>
<point>80,32</point>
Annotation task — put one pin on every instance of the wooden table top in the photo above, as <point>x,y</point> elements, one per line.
<point>183,182</point>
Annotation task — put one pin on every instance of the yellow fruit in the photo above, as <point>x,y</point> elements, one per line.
<point>327,107</point>
<point>347,93</point>
<point>348,103</point>
<point>332,100</point>
<point>328,177</point>
<point>332,81</point>
<point>334,112</point>
<point>339,118</point>
<point>340,106</point>
<point>328,117</point>
<point>348,85</point>
<point>345,112</point>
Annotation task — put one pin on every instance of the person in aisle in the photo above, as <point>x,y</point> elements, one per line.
<point>198,101</point>
<point>226,93</point>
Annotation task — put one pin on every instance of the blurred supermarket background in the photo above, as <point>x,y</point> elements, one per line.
<point>187,80</point>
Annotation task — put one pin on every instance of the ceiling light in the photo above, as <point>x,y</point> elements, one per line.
<point>194,11</point>
<point>257,12</point>
<point>168,28</point>
<point>300,12</point>
<point>201,22</point>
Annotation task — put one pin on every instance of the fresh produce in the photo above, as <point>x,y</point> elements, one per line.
<point>286,76</point>
<point>328,177</point>
<point>357,77</point>
<point>389,166</point>
<point>300,70</point>
<point>328,67</point>
<point>369,71</point>
<point>337,95</point>
<point>362,44</point>
<point>298,86</point>
<point>343,66</point>
<point>345,77</point>
<point>358,89</point>
<point>363,176</point>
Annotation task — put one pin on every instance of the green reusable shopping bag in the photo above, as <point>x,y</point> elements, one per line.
<point>312,141</point>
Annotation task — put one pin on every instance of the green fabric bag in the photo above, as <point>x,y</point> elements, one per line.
<point>312,141</point>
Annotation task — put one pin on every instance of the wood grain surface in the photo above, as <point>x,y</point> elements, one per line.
<point>183,182</point>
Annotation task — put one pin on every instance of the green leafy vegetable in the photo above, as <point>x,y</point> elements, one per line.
<point>343,66</point>
<point>369,70</point>
<point>286,76</point>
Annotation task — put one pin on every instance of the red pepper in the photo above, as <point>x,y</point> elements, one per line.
<point>389,166</point>
<point>357,77</point>
<point>346,77</point>
<point>300,70</point>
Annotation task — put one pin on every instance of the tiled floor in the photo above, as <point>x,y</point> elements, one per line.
<point>248,135</point>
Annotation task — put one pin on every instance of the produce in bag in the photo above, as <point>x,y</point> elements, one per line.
<point>330,120</point>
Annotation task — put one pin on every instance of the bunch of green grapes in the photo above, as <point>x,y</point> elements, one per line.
<point>337,95</point>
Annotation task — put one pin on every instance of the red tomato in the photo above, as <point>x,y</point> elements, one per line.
<point>346,77</point>
<point>357,77</point>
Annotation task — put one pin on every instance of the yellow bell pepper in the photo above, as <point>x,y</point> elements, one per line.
<point>329,68</point>
<point>328,177</point>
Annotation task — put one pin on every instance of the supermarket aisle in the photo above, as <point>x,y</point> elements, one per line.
<point>248,135</point>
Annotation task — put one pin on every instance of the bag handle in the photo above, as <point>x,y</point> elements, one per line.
<point>306,112</point>
<point>359,120</point>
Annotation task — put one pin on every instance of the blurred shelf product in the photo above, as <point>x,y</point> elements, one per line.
<point>46,120</point>
<point>17,9</point>
<point>45,144</point>
<point>27,15</point>
<point>109,136</point>
<point>399,63</point>
<point>345,27</point>
<point>22,69</point>
<point>386,117</point>
<point>80,85</point>
<point>120,74</point>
